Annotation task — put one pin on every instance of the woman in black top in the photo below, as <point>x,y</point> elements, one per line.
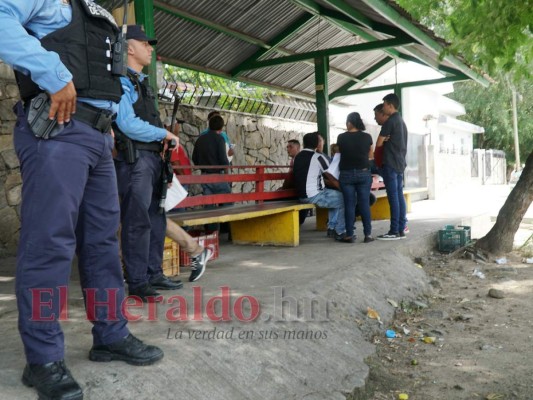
<point>355,178</point>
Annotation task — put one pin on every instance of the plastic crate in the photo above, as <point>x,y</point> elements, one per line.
<point>171,259</point>
<point>205,239</point>
<point>453,237</point>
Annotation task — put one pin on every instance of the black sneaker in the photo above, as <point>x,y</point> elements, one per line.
<point>389,236</point>
<point>130,349</point>
<point>52,381</point>
<point>368,239</point>
<point>331,233</point>
<point>402,235</point>
<point>199,263</point>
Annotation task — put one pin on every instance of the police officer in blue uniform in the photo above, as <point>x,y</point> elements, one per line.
<point>61,50</point>
<point>139,132</point>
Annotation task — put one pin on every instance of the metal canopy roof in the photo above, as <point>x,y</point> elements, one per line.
<point>274,43</point>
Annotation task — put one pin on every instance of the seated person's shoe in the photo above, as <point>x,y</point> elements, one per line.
<point>52,381</point>
<point>368,239</point>
<point>145,292</point>
<point>162,282</point>
<point>130,349</point>
<point>345,239</point>
<point>199,263</point>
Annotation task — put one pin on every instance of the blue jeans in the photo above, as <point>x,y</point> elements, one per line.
<point>394,187</point>
<point>215,188</point>
<point>332,200</point>
<point>355,186</point>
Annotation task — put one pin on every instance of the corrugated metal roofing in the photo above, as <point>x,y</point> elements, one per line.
<point>217,36</point>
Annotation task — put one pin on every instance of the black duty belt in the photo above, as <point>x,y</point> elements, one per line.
<point>94,117</point>
<point>156,147</point>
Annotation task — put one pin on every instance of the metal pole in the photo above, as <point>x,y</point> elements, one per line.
<point>517,164</point>
<point>322,98</point>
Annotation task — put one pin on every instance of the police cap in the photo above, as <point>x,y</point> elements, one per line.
<point>136,32</point>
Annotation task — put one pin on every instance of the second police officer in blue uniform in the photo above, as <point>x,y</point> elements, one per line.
<point>139,132</point>
<point>69,193</point>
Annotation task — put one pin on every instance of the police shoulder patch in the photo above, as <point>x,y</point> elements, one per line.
<point>98,11</point>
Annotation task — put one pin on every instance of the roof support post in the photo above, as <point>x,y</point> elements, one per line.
<point>398,90</point>
<point>144,15</point>
<point>322,98</point>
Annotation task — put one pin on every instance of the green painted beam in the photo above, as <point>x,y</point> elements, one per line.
<point>322,98</point>
<point>177,12</point>
<point>363,75</point>
<point>144,15</point>
<point>290,31</point>
<point>368,46</point>
<point>399,86</point>
<point>339,21</point>
<point>350,25</point>
<point>393,16</point>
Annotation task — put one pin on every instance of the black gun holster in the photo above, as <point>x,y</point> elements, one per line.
<point>125,146</point>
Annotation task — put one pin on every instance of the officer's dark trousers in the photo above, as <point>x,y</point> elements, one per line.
<point>69,203</point>
<point>143,227</point>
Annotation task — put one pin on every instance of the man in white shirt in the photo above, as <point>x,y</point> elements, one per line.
<point>308,169</point>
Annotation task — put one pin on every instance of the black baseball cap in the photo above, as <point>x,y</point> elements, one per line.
<point>136,32</point>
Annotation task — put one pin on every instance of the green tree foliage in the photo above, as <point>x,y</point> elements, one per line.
<point>217,92</point>
<point>495,35</point>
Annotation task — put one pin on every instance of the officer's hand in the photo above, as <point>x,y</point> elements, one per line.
<point>171,136</point>
<point>63,104</point>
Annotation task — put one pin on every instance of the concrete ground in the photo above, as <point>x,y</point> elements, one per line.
<point>291,350</point>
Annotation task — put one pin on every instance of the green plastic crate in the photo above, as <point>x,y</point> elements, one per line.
<point>452,237</point>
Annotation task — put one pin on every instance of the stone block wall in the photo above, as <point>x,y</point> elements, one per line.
<point>258,140</point>
<point>10,180</point>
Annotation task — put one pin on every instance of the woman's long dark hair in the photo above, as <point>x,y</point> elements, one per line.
<point>356,121</point>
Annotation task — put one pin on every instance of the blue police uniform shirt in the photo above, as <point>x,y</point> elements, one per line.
<point>134,127</point>
<point>25,53</point>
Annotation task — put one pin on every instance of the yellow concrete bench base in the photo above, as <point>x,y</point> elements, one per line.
<point>272,223</point>
<point>381,210</point>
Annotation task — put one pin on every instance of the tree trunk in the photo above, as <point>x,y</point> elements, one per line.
<point>500,238</point>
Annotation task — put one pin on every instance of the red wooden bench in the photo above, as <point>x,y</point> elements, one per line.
<point>261,216</point>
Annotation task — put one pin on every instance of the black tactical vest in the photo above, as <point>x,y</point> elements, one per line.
<point>145,106</point>
<point>84,47</point>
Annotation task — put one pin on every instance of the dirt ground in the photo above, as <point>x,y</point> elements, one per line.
<point>458,342</point>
